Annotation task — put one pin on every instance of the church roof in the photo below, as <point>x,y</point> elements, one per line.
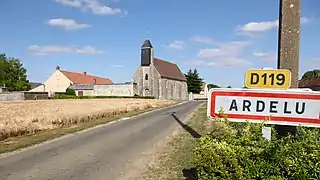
<point>168,70</point>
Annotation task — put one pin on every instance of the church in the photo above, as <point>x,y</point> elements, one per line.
<point>159,78</point>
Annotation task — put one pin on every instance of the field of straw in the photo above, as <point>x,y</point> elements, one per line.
<point>25,117</point>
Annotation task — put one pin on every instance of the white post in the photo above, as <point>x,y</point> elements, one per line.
<point>266,133</point>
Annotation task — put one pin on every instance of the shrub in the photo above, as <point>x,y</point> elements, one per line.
<point>70,92</point>
<point>238,151</point>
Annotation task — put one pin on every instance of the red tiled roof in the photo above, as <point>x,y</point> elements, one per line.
<point>309,82</point>
<point>79,78</point>
<point>168,70</point>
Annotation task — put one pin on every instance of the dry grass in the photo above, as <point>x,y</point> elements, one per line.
<point>29,117</point>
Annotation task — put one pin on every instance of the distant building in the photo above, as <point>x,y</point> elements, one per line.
<point>3,89</point>
<point>204,89</point>
<point>60,80</point>
<point>37,87</point>
<point>159,78</point>
<point>313,83</point>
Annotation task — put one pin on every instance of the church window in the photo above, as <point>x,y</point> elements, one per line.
<point>146,77</point>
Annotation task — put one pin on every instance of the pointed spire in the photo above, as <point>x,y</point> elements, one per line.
<point>147,44</point>
<point>147,35</point>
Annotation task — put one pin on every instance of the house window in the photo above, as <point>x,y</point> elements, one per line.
<point>146,77</point>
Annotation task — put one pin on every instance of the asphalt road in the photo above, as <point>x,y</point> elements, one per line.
<point>114,151</point>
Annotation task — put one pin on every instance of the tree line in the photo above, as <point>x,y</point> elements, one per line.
<point>13,76</point>
<point>195,82</point>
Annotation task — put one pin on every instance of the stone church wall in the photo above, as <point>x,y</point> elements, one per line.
<point>151,84</point>
<point>172,89</point>
<point>158,87</point>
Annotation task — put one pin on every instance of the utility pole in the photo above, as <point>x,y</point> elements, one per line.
<point>288,47</point>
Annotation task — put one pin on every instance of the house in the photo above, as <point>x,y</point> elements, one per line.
<point>60,80</point>
<point>204,89</point>
<point>159,78</point>
<point>3,89</point>
<point>313,83</point>
<point>37,87</point>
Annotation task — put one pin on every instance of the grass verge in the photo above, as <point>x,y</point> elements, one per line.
<point>14,143</point>
<point>175,162</point>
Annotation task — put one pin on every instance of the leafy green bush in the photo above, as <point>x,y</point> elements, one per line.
<point>70,92</point>
<point>65,96</point>
<point>238,151</point>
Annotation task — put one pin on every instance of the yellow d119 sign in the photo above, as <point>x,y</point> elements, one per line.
<point>271,78</point>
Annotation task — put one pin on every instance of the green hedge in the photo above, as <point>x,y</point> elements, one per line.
<point>70,92</point>
<point>63,96</point>
<point>238,151</point>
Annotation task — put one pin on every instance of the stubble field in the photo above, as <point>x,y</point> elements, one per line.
<point>29,117</point>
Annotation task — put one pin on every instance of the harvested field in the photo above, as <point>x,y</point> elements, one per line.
<point>28,117</point>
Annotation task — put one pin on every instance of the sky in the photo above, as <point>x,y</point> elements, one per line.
<point>222,39</point>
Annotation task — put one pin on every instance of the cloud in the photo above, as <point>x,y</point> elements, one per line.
<point>311,62</point>
<point>257,27</point>
<point>262,54</point>
<point>227,54</point>
<point>230,49</point>
<point>226,62</point>
<point>88,50</point>
<point>93,6</point>
<point>72,3</point>
<point>202,39</point>
<point>179,45</point>
<point>67,24</point>
<point>268,57</point>
<point>304,20</point>
<point>117,66</point>
<point>58,49</point>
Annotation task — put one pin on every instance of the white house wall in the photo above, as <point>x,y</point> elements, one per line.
<point>110,90</point>
<point>57,82</point>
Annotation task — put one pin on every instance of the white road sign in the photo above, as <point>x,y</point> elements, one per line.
<point>286,107</point>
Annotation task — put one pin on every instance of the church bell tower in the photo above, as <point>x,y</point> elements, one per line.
<point>146,73</point>
<point>146,53</point>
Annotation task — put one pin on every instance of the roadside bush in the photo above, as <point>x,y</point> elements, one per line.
<point>238,151</point>
<point>70,92</point>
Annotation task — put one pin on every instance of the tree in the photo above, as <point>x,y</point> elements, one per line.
<point>229,87</point>
<point>212,86</point>
<point>194,81</point>
<point>311,74</point>
<point>13,75</point>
